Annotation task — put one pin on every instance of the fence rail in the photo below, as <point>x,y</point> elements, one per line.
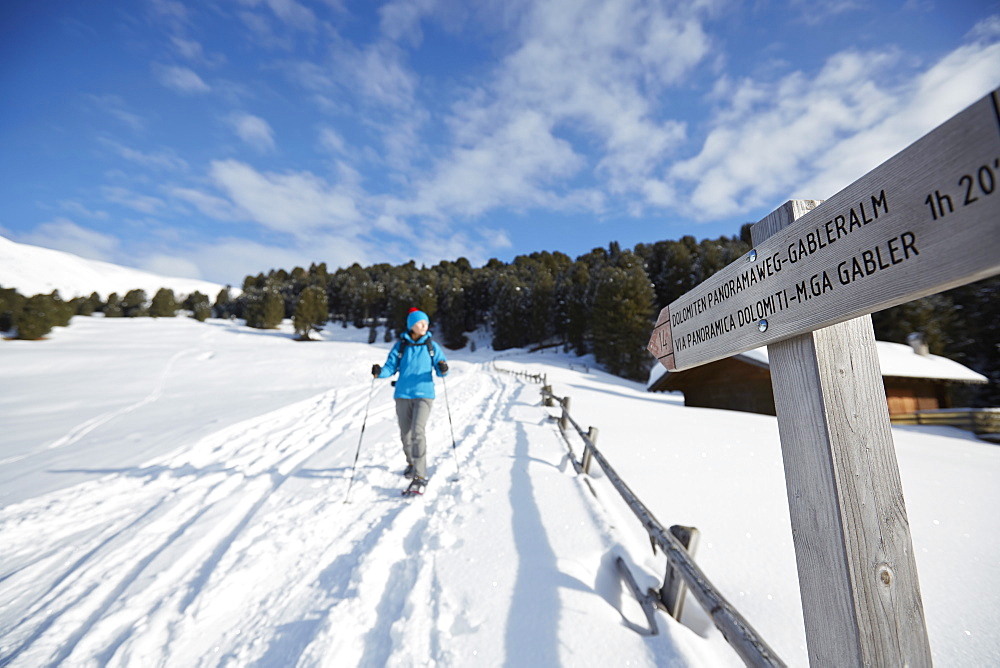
<point>533,377</point>
<point>983,422</point>
<point>737,631</point>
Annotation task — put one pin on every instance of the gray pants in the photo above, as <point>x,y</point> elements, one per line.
<point>413,414</point>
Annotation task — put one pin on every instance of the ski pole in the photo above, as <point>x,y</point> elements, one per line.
<point>347,498</point>
<point>450,425</point>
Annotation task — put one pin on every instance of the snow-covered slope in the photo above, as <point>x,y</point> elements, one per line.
<point>34,270</point>
<point>172,493</point>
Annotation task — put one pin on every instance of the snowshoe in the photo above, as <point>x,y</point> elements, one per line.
<point>416,487</point>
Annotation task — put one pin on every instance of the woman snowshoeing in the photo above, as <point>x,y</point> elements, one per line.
<point>415,357</point>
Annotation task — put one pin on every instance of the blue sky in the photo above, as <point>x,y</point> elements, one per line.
<point>220,138</point>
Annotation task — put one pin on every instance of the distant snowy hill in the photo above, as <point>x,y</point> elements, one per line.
<point>34,270</point>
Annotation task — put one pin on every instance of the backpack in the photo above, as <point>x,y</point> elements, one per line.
<point>403,344</point>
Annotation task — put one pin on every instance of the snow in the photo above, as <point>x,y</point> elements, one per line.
<point>900,360</point>
<point>172,493</point>
<point>33,270</point>
<point>895,359</point>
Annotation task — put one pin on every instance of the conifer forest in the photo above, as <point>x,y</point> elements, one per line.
<point>602,303</point>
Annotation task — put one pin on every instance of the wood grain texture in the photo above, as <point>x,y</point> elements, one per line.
<point>860,594</point>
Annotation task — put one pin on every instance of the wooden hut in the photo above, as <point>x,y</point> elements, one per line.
<point>914,380</point>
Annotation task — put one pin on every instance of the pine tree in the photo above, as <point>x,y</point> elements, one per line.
<point>452,315</point>
<point>274,309</point>
<point>198,304</point>
<point>975,338</point>
<point>252,305</point>
<point>86,305</point>
<point>576,302</point>
<point>311,312</point>
<point>62,312</point>
<point>622,318</point>
<point>164,304</point>
<point>511,311</point>
<point>113,307</point>
<point>37,317</point>
<point>933,316</point>
<point>224,308</point>
<point>265,309</point>
<point>134,304</point>
<point>11,304</point>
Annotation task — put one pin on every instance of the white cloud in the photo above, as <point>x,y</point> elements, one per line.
<point>771,134</point>
<point>115,106</point>
<point>584,76</point>
<point>194,52</point>
<point>987,30</point>
<point>949,86</point>
<point>80,209</point>
<point>182,80</point>
<point>188,48</point>
<point>132,200</point>
<point>331,140</point>
<point>253,130</point>
<point>173,12</point>
<point>432,249</point>
<point>378,72</point>
<point>816,12</point>
<point>65,235</point>
<point>214,207</point>
<point>290,12</point>
<point>802,137</point>
<point>508,168</point>
<point>400,20</point>
<point>496,238</point>
<point>166,160</point>
<point>171,265</point>
<point>229,261</point>
<point>298,203</point>
<point>280,27</point>
<point>376,84</point>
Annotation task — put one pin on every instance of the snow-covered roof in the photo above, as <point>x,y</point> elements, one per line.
<point>655,373</point>
<point>896,359</point>
<point>901,361</point>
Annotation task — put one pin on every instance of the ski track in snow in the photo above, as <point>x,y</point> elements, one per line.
<point>184,541</point>
<point>90,425</point>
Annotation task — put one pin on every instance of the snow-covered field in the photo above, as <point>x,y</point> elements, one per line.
<point>172,493</point>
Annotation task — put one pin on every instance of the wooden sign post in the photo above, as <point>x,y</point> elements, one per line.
<point>926,220</point>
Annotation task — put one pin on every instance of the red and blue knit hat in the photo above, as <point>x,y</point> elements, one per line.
<point>416,315</point>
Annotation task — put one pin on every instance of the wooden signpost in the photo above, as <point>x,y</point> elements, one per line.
<point>923,222</point>
<point>926,220</point>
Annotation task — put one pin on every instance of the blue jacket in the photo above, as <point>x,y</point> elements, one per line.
<point>413,362</point>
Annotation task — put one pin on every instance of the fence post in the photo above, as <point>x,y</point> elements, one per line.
<point>673,590</point>
<point>587,454</point>
<point>564,419</point>
<point>547,395</point>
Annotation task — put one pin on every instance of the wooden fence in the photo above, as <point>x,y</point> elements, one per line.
<point>983,422</point>
<point>677,544</point>
<point>524,375</point>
